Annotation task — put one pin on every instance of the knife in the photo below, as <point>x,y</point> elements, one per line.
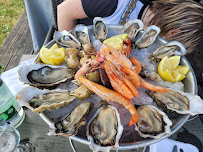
<point>175,149</point>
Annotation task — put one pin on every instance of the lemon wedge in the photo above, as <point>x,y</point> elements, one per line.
<point>170,70</point>
<point>113,42</point>
<point>53,56</point>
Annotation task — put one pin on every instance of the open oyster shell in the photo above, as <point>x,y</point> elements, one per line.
<point>44,76</point>
<point>132,28</point>
<point>148,37</point>
<point>168,49</point>
<point>104,129</point>
<point>81,33</point>
<point>66,39</point>
<point>100,28</point>
<point>69,126</point>
<point>152,122</point>
<point>39,100</point>
<point>178,101</point>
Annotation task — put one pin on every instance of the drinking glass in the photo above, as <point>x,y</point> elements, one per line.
<point>9,136</point>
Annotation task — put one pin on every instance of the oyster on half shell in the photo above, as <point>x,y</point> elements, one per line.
<point>70,125</point>
<point>41,75</point>
<point>132,28</point>
<point>152,122</point>
<point>178,101</point>
<point>148,37</point>
<point>39,100</point>
<point>168,49</point>
<point>104,129</point>
<point>81,33</point>
<point>100,28</point>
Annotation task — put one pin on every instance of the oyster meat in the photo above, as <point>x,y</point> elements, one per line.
<point>148,37</point>
<point>152,122</point>
<point>39,100</point>
<point>81,33</point>
<point>168,49</point>
<point>70,125</point>
<point>178,101</point>
<point>132,28</point>
<point>41,75</point>
<point>100,28</point>
<point>66,39</point>
<point>104,129</point>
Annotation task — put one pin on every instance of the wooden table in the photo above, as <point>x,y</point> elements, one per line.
<point>19,43</point>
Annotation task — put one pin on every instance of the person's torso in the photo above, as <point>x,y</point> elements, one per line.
<point>118,13</point>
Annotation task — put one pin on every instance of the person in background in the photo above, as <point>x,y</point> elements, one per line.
<point>179,20</point>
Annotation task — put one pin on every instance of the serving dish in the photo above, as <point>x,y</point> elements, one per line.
<point>128,140</point>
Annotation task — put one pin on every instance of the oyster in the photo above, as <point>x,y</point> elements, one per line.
<point>81,33</point>
<point>81,93</point>
<point>132,28</point>
<point>104,129</point>
<point>66,39</point>
<point>70,125</point>
<point>148,37</point>
<point>73,51</point>
<point>100,28</point>
<point>168,49</point>
<point>152,122</point>
<point>178,101</point>
<point>89,49</point>
<point>73,61</point>
<point>151,75</point>
<point>41,75</point>
<point>39,100</point>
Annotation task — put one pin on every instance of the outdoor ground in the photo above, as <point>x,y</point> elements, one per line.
<point>10,10</point>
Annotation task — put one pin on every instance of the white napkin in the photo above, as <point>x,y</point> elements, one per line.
<point>167,145</point>
<point>11,78</point>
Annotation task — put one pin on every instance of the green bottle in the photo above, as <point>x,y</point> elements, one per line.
<point>9,107</point>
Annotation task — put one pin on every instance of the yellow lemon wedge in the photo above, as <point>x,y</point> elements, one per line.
<point>54,56</point>
<point>113,42</point>
<point>121,36</point>
<point>170,70</point>
<point>55,46</point>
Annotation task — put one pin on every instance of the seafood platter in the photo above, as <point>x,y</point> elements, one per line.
<point>110,97</point>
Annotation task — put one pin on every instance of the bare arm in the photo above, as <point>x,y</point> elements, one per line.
<point>68,12</point>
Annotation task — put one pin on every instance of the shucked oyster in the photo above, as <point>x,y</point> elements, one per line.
<point>169,49</point>
<point>152,122</point>
<point>66,39</point>
<point>100,28</point>
<point>104,129</point>
<point>39,100</point>
<point>148,37</point>
<point>178,101</point>
<point>41,75</point>
<point>70,125</point>
<point>81,33</point>
<point>132,28</point>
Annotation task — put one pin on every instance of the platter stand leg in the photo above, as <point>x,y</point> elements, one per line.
<point>71,144</point>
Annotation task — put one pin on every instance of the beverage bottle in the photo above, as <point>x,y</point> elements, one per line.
<point>9,107</point>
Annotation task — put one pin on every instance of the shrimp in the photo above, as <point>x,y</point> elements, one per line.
<point>133,76</point>
<point>110,95</point>
<point>151,87</point>
<point>90,65</point>
<point>130,85</point>
<point>118,85</point>
<point>135,61</point>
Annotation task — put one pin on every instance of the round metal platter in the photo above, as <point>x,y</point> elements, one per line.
<point>190,86</point>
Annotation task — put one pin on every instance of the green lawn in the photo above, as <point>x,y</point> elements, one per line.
<point>10,10</point>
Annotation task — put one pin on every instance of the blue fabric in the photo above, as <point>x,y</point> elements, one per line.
<point>40,18</point>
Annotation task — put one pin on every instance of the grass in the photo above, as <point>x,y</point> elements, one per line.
<point>10,10</point>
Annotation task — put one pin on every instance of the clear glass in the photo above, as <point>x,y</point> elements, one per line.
<point>9,136</point>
